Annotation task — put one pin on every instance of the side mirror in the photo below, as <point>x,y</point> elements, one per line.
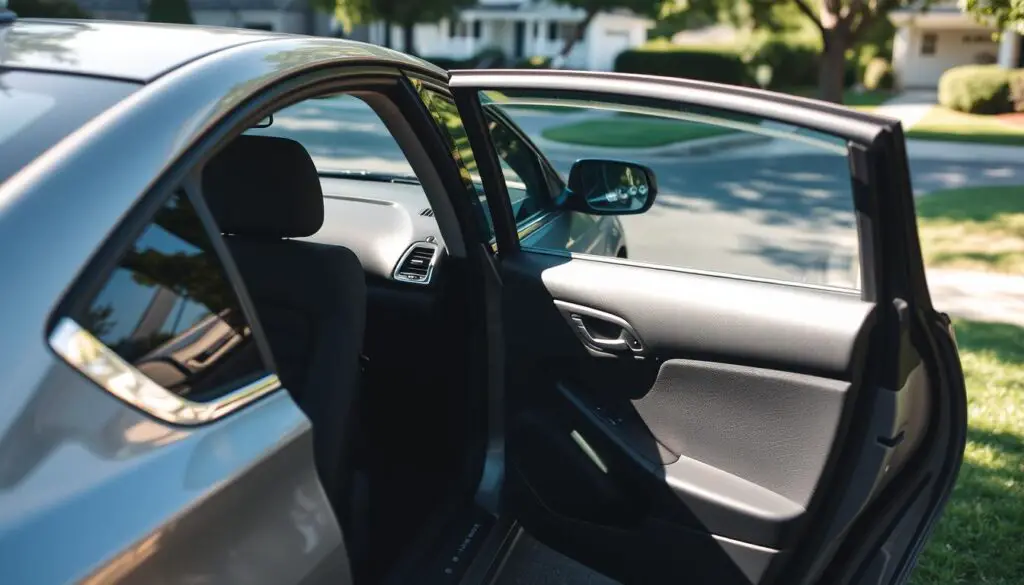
<point>265,122</point>
<point>610,187</point>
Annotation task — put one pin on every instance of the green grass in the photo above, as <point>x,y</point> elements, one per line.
<point>980,539</point>
<point>866,100</point>
<point>943,124</point>
<point>632,132</point>
<point>976,228</point>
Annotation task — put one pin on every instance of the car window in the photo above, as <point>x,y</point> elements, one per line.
<point>735,194</point>
<point>524,177</point>
<point>342,134</point>
<point>38,109</point>
<point>169,310</point>
<point>448,121</point>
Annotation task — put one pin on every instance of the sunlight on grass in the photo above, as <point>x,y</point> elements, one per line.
<point>979,228</point>
<point>943,124</point>
<point>632,132</point>
<point>980,538</point>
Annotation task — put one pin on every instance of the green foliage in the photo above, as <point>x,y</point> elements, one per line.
<point>793,62</point>
<point>668,60</point>
<point>535,62</point>
<point>46,9</point>
<point>1017,92</point>
<point>174,11</point>
<point>878,75</point>
<point>1004,13</point>
<point>978,89</point>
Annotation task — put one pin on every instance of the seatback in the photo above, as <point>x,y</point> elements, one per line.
<point>310,298</point>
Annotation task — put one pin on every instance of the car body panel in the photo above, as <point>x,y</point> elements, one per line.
<point>87,463</point>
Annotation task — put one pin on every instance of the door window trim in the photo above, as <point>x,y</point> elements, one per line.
<point>874,206</point>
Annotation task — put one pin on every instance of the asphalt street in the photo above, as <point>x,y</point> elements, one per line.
<point>759,211</point>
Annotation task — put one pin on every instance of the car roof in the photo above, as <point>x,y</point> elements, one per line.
<point>135,51</point>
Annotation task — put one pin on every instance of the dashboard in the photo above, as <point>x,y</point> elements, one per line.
<point>388,225</point>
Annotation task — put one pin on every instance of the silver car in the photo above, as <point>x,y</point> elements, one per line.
<point>232,357</point>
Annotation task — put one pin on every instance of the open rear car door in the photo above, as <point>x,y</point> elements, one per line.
<point>666,425</point>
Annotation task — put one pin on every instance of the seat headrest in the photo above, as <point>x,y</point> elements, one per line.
<point>264,186</point>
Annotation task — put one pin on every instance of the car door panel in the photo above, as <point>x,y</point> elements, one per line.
<point>668,425</point>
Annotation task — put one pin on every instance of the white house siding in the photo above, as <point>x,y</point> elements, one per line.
<point>951,49</point>
<point>605,38</point>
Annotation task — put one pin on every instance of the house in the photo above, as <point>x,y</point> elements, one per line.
<point>522,29</point>
<point>289,16</point>
<point>929,42</point>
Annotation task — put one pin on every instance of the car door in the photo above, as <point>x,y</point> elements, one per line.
<point>712,421</point>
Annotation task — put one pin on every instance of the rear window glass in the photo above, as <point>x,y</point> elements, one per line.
<point>37,110</point>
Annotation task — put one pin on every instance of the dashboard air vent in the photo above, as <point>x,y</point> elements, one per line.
<point>428,212</point>
<point>417,263</point>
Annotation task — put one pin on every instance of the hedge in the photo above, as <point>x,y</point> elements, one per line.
<point>979,89</point>
<point>666,60</point>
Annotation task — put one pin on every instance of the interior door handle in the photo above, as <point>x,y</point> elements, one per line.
<point>623,340</point>
<point>618,344</point>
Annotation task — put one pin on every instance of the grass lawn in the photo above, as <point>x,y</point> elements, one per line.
<point>943,124</point>
<point>977,228</point>
<point>980,538</point>
<point>631,132</point>
<point>859,100</point>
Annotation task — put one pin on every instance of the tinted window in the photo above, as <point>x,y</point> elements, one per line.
<point>342,133</point>
<point>737,194</point>
<point>37,110</point>
<point>169,310</point>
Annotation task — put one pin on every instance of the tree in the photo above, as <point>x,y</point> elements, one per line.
<point>591,8</point>
<point>1006,14</point>
<point>840,24</point>
<point>46,9</point>
<point>173,11</point>
<point>405,13</point>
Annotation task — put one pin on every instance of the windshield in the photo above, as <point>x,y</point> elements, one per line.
<point>342,134</point>
<point>38,109</point>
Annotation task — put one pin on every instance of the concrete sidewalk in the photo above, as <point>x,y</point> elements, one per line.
<point>978,295</point>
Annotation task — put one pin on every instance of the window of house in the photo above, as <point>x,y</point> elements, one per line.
<point>477,28</point>
<point>928,43</point>
<point>169,310</point>
<point>552,31</point>
<point>259,26</point>
<point>567,30</point>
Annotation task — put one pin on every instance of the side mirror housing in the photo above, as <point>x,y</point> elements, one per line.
<point>610,187</point>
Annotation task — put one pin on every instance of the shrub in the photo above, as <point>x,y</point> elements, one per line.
<point>668,60</point>
<point>536,62</point>
<point>977,89</point>
<point>491,57</point>
<point>793,64</point>
<point>173,11</point>
<point>1017,91</point>
<point>878,74</point>
<point>448,62</point>
<point>46,9</point>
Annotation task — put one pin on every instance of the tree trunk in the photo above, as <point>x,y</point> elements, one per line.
<point>832,68</point>
<point>577,36</point>
<point>387,33</point>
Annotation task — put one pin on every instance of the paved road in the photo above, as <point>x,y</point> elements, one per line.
<point>757,211</point>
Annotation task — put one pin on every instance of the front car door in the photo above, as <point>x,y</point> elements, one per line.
<point>766,395</point>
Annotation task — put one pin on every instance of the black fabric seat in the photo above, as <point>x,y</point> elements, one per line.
<point>310,298</point>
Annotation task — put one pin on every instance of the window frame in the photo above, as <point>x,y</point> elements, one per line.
<point>84,352</point>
